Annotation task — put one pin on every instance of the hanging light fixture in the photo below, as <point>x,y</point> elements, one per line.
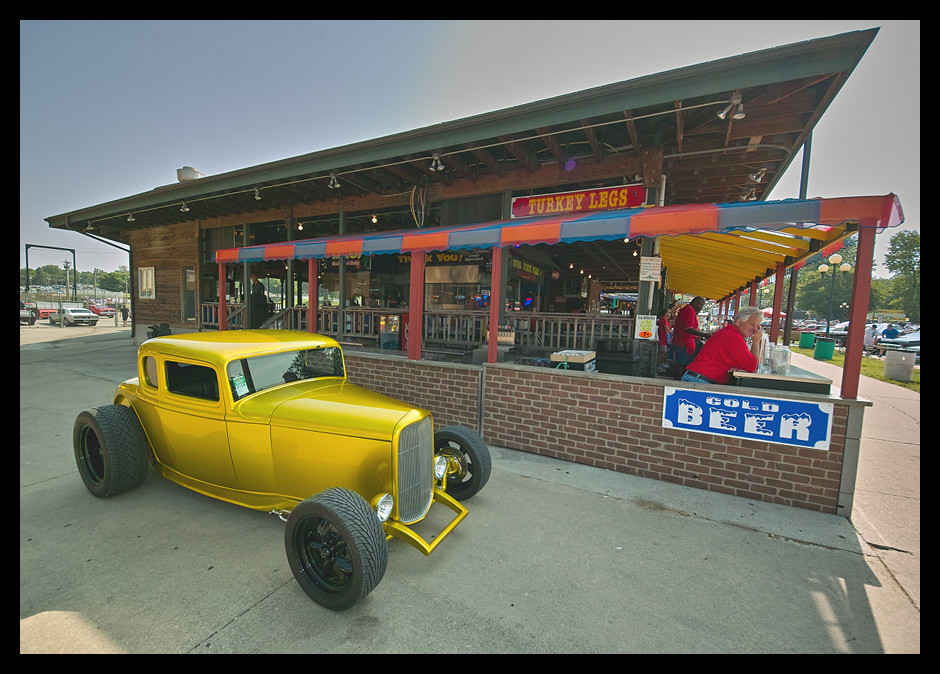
<point>334,183</point>
<point>130,217</point>
<point>374,219</point>
<point>184,208</point>
<point>736,104</point>
<point>436,164</point>
<point>257,195</point>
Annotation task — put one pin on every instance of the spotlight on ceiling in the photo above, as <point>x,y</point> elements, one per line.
<point>334,183</point>
<point>736,104</point>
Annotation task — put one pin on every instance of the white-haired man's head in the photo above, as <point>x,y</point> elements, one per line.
<point>747,320</point>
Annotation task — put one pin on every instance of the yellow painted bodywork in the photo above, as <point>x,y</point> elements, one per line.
<point>274,448</point>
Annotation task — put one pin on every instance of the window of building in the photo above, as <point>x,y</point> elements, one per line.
<point>145,283</point>
<point>188,294</point>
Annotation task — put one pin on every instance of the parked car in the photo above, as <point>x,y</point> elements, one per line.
<point>908,342</point>
<point>102,310</point>
<point>267,420</point>
<point>74,316</point>
<point>29,312</point>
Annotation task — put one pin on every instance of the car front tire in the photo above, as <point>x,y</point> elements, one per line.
<point>469,462</point>
<point>336,548</point>
<point>111,450</point>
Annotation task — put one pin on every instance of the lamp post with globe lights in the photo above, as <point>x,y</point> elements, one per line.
<point>835,259</point>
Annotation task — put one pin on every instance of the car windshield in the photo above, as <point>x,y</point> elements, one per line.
<point>250,375</point>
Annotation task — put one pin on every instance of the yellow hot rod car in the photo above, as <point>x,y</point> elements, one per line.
<point>266,419</point>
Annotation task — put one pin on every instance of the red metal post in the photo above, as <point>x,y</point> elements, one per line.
<point>496,283</point>
<point>416,306</point>
<point>858,309</point>
<point>778,300</point>
<point>223,289</point>
<point>312,294</point>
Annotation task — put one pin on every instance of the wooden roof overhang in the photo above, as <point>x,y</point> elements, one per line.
<point>642,129</point>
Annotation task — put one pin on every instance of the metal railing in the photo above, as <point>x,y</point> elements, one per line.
<point>463,329</point>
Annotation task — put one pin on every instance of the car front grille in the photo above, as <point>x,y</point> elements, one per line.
<point>415,470</point>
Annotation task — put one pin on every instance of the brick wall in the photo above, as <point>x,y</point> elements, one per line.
<point>610,422</point>
<point>451,392</point>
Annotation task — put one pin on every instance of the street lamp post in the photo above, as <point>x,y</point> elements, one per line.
<point>834,260</point>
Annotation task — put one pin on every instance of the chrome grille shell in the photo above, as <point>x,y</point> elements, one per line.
<point>415,470</point>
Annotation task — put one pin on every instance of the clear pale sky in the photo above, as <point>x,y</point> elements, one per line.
<point>109,109</point>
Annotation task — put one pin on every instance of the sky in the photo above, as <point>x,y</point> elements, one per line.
<point>110,109</point>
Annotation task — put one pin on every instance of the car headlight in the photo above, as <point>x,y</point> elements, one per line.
<point>440,467</point>
<point>383,507</point>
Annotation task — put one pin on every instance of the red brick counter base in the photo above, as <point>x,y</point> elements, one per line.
<point>615,422</point>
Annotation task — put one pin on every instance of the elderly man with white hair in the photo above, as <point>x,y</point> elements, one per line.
<point>727,349</point>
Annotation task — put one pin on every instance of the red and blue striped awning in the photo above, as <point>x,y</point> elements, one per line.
<point>874,211</point>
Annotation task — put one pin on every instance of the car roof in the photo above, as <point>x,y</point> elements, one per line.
<point>219,347</point>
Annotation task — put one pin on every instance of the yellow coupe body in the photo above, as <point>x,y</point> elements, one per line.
<point>266,419</point>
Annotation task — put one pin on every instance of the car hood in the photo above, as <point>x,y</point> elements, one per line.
<point>326,405</point>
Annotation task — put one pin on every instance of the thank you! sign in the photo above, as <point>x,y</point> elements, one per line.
<point>623,196</point>
<point>777,420</point>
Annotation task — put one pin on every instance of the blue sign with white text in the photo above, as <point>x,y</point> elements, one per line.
<point>787,422</point>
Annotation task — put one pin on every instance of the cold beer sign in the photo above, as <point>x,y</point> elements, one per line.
<point>785,422</point>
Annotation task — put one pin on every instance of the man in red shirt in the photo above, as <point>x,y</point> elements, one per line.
<point>727,349</point>
<point>684,332</point>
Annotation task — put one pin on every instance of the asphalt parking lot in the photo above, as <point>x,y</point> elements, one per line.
<point>554,557</point>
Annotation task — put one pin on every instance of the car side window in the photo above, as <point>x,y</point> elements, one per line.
<point>150,371</point>
<point>197,381</point>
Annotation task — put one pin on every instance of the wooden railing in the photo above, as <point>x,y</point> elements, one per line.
<point>235,315</point>
<point>465,329</point>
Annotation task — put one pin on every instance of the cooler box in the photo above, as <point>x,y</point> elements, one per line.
<point>577,360</point>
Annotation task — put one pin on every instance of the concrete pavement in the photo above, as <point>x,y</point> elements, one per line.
<point>554,558</point>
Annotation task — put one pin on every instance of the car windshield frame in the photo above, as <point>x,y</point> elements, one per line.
<point>253,374</point>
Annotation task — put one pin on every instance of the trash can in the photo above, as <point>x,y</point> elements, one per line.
<point>806,340</point>
<point>899,364</point>
<point>825,346</point>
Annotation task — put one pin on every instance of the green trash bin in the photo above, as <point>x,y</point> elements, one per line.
<point>806,340</point>
<point>824,348</point>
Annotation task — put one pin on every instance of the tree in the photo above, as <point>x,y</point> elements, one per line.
<point>903,260</point>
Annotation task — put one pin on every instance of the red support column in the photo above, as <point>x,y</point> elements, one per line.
<point>416,306</point>
<point>312,294</point>
<point>496,282</point>
<point>858,309</point>
<point>752,295</point>
<point>778,300</point>
<point>223,289</point>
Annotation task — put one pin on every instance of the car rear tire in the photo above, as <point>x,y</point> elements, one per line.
<point>336,548</point>
<point>469,461</point>
<point>111,450</point>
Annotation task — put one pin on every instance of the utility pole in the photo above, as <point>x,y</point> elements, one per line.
<point>66,264</point>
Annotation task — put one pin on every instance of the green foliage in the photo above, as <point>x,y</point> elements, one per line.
<point>903,260</point>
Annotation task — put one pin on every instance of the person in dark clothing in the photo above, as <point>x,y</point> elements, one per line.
<point>259,301</point>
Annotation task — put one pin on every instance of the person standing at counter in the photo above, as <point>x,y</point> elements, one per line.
<point>684,331</point>
<point>727,349</point>
<point>664,332</point>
